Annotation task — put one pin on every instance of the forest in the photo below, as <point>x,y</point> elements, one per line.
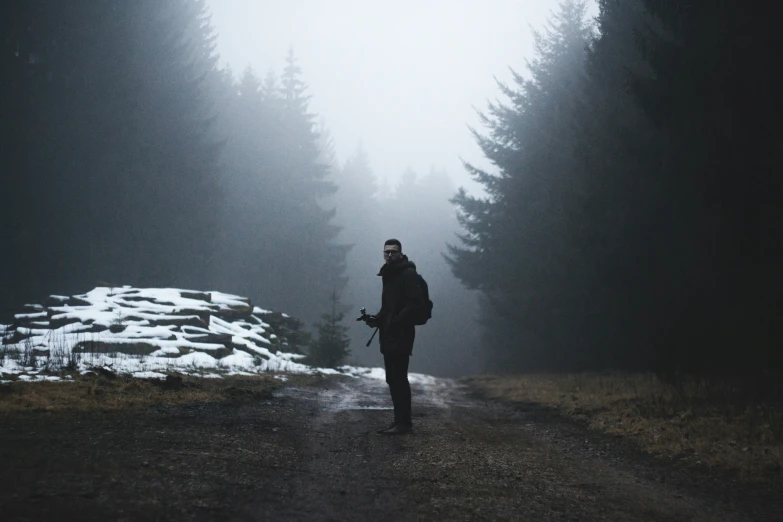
<point>631,218</point>
<point>634,221</point>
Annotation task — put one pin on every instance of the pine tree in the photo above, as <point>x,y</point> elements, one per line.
<point>518,248</point>
<point>331,347</point>
<point>309,232</point>
<point>327,151</point>
<point>282,246</point>
<point>293,330</point>
<point>173,172</point>
<point>357,215</point>
<point>620,153</point>
<point>116,154</point>
<point>270,90</point>
<point>249,88</point>
<point>357,182</point>
<point>713,86</point>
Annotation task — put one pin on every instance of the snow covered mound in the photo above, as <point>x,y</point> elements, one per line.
<point>144,331</point>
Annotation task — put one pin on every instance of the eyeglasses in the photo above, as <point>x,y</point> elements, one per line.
<point>390,252</point>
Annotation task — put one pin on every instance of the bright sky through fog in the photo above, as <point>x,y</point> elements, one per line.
<point>403,77</point>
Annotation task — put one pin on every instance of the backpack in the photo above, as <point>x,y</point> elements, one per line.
<point>426,313</point>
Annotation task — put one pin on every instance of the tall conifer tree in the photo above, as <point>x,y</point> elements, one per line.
<point>117,160</point>
<point>518,247</point>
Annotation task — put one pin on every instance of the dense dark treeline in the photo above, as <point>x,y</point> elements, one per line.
<point>109,166</point>
<point>635,217</point>
<point>128,157</point>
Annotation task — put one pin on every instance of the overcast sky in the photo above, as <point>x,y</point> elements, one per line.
<point>403,77</point>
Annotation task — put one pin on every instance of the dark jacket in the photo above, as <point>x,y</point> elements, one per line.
<point>402,298</point>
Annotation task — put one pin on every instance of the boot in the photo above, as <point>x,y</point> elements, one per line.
<point>399,429</point>
<point>384,430</point>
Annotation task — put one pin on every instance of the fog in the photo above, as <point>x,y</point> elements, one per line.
<point>268,150</point>
<point>402,85</point>
<point>184,154</point>
<point>402,78</point>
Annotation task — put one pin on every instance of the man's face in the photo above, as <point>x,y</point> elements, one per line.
<point>391,253</point>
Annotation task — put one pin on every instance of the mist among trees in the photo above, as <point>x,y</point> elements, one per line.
<point>631,218</point>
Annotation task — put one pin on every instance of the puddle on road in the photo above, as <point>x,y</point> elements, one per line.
<point>373,394</point>
<point>361,394</point>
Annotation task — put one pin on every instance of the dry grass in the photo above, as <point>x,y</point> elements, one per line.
<point>111,393</point>
<point>697,421</point>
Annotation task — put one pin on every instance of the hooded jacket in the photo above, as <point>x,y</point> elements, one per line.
<point>401,299</point>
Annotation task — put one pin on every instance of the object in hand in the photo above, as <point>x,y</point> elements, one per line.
<point>364,315</point>
<point>369,319</point>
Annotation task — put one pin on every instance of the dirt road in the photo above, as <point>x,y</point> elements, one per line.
<point>311,453</point>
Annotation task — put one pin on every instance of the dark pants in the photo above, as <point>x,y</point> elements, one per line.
<point>400,388</point>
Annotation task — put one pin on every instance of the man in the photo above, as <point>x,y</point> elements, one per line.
<point>401,300</point>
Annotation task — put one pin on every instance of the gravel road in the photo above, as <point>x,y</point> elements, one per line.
<point>311,453</point>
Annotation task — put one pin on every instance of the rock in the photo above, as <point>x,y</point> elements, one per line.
<point>199,296</point>
<point>171,382</point>
<point>217,353</point>
<point>137,299</point>
<point>245,349</point>
<point>169,320</point>
<point>14,338</point>
<point>213,338</point>
<point>235,312</point>
<point>75,301</point>
<point>189,312</point>
<point>57,322</point>
<point>40,322</point>
<point>55,300</point>
<point>103,372</point>
<point>40,325</point>
<point>186,321</point>
<point>92,328</point>
<point>136,348</point>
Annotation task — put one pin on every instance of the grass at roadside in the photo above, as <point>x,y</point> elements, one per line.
<point>110,392</point>
<point>696,421</point>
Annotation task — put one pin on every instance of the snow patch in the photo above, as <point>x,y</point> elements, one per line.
<point>149,332</point>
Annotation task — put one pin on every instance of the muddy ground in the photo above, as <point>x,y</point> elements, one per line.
<point>310,452</point>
